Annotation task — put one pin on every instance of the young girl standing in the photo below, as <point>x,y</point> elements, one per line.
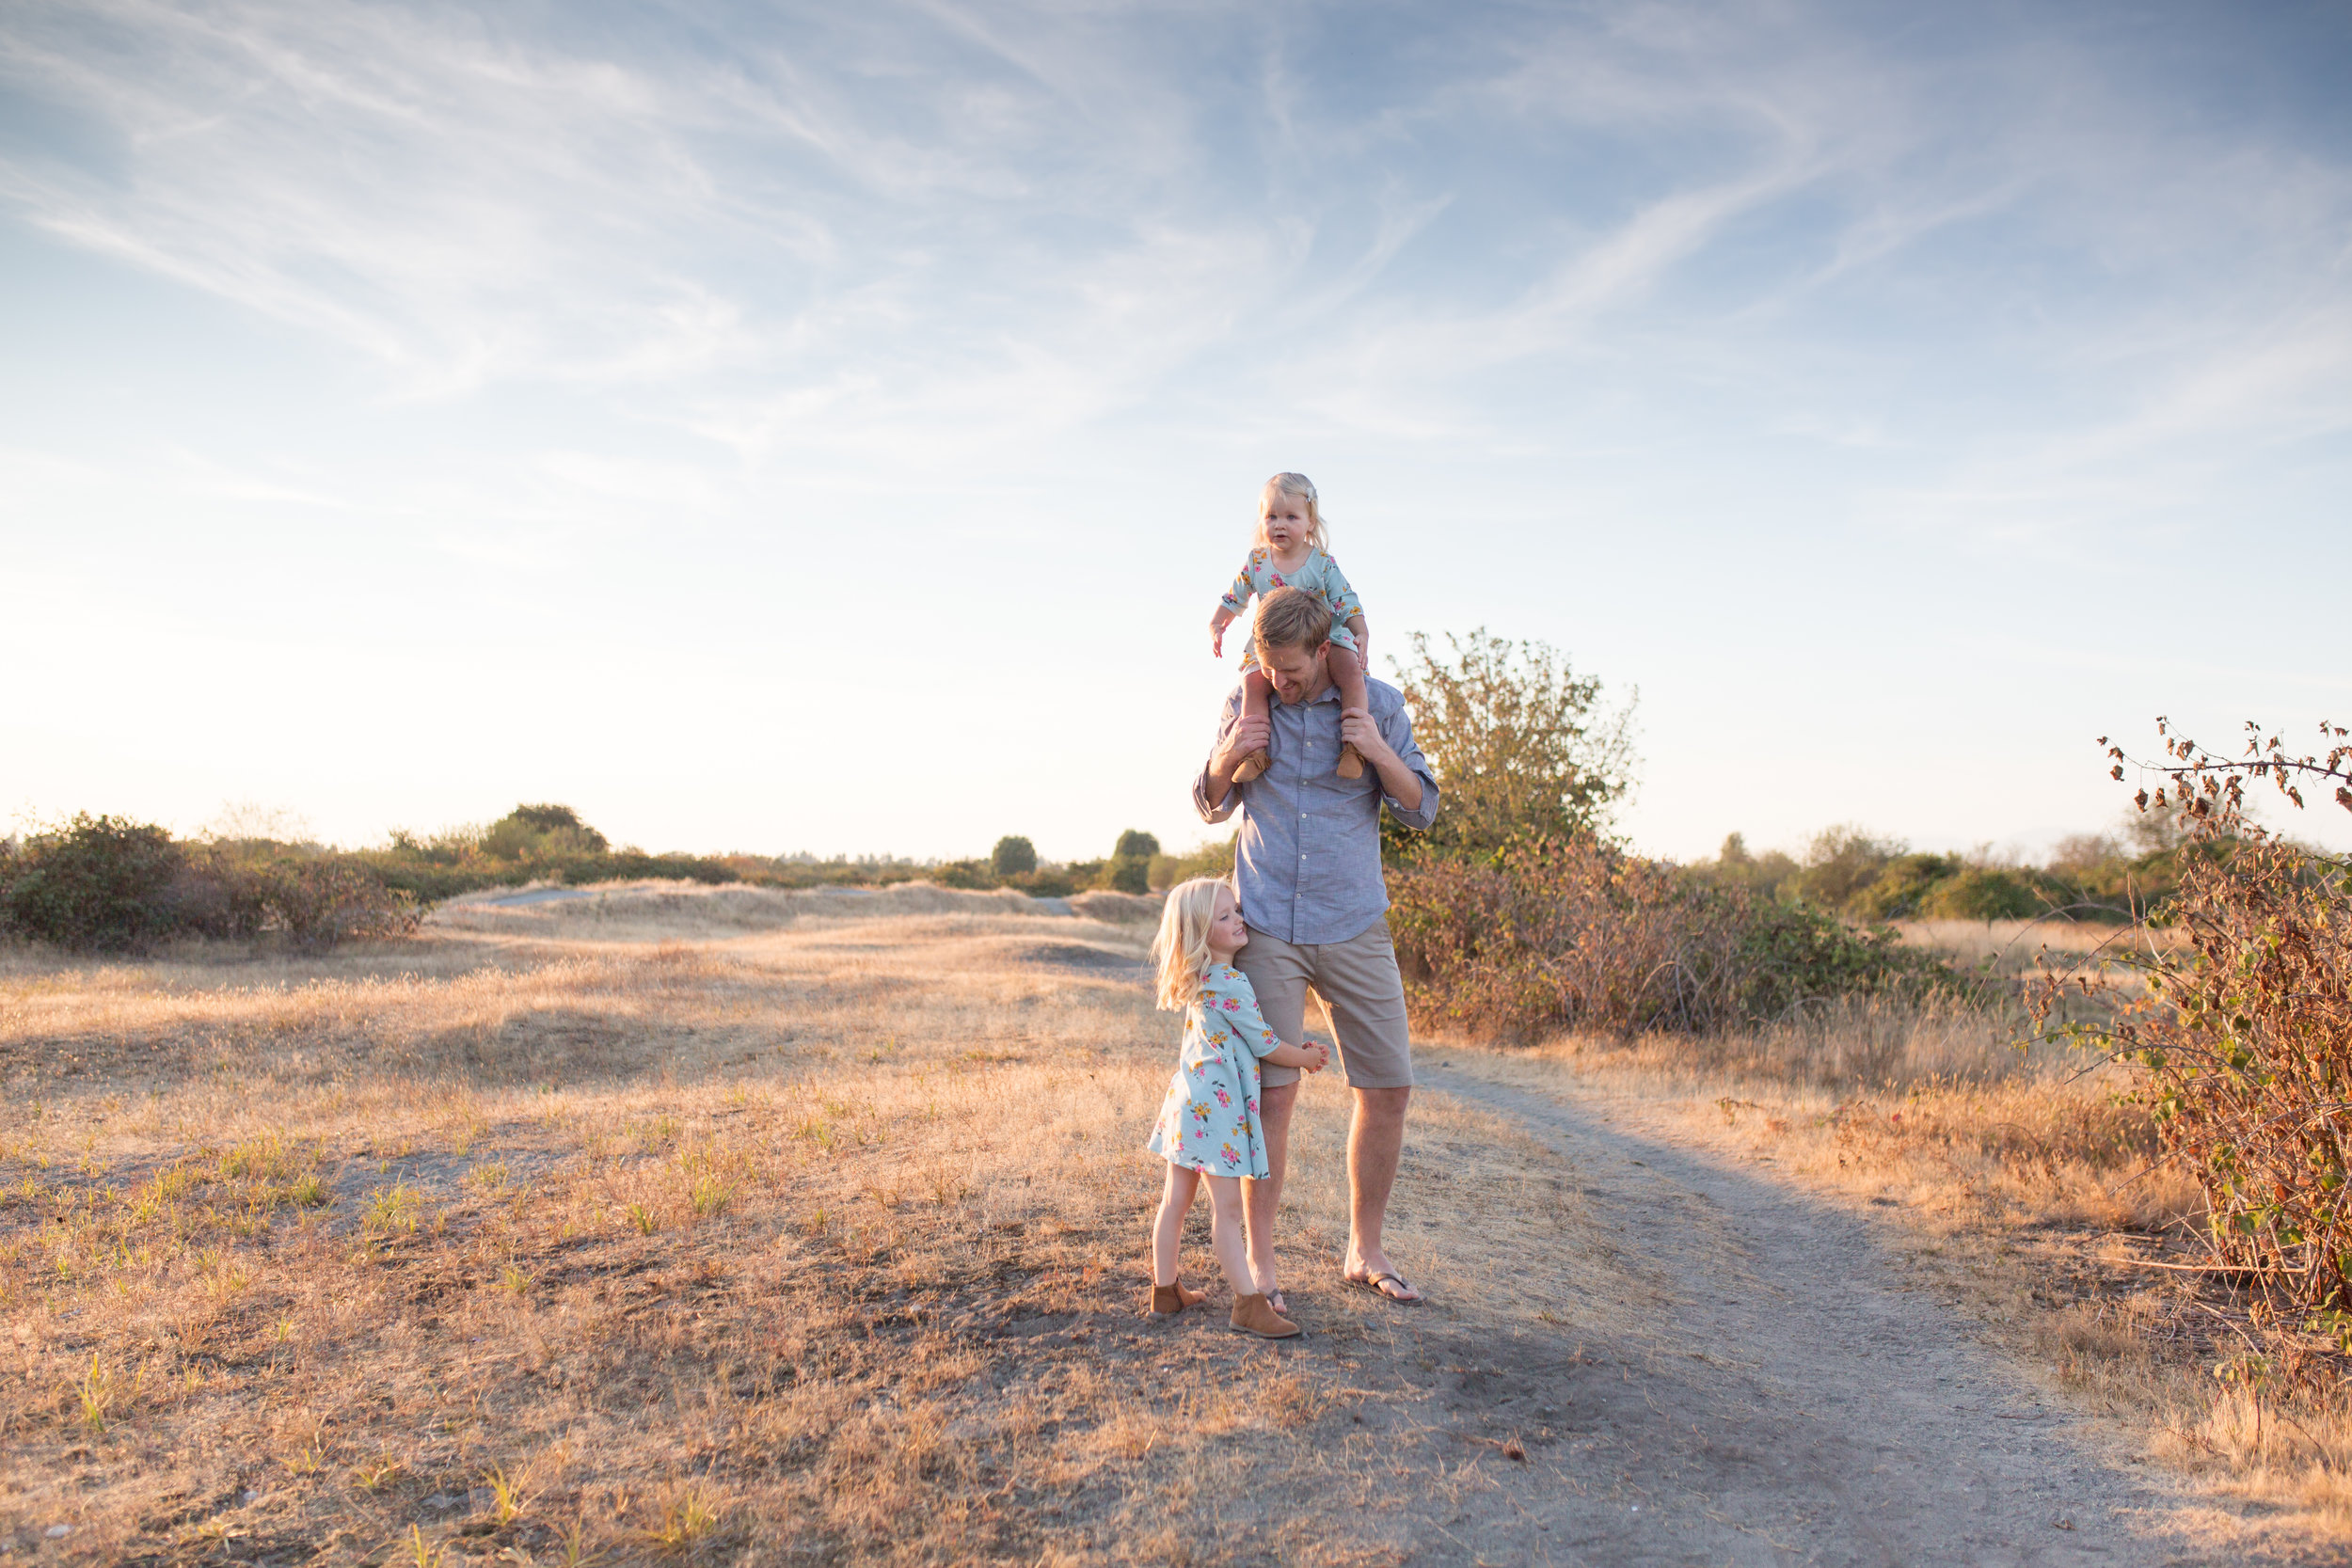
<point>1289,553</point>
<point>1208,1124</point>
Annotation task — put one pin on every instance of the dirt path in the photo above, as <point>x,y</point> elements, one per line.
<point>1787,1400</point>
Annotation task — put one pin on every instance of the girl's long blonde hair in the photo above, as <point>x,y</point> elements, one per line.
<point>1304,488</point>
<point>1182,948</point>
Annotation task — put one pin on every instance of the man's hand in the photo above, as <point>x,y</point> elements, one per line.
<point>1250,734</point>
<point>1358,730</point>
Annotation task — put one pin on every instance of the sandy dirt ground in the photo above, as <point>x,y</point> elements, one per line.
<point>1780,1394</point>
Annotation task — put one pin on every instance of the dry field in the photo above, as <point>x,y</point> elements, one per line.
<point>743,1226</point>
<point>689,1224</point>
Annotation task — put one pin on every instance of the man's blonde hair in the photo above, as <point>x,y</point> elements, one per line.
<point>1304,488</point>
<point>1182,948</point>
<point>1291,618</point>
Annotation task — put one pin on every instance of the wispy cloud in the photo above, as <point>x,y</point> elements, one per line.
<point>964,219</point>
<point>2022,278</point>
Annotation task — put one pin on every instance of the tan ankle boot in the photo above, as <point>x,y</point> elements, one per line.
<point>1168,1300</point>
<point>1351,763</point>
<point>1250,767</point>
<point>1255,1315</point>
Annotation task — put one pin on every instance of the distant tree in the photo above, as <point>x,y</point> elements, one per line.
<point>1210,858</point>
<point>542,833</point>
<point>1764,875</point>
<point>1903,884</point>
<point>1841,862</point>
<point>1014,856</point>
<point>1130,867</point>
<point>1520,744</point>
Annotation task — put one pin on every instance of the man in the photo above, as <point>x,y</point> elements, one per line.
<point>1312,895</point>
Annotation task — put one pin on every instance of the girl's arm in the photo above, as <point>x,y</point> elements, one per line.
<point>1240,1016</point>
<point>1236,599</point>
<point>1311,1056</point>
<point>1217,623</point>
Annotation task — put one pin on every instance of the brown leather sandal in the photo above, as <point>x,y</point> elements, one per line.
<point>1351,763</point>
<point>1406,1294</point>
<point>1250,767</point>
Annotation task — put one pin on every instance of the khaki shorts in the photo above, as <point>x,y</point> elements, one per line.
<point>1361,991</point>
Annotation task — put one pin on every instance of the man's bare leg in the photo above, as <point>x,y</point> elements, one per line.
<point>1257,702</point>
<point>1262,1198</point>
<point>1376,1141</point>
<point>1347,674</point>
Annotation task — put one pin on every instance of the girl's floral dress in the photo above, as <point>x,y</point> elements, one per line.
<point>1318,575</point>
<point>1210,1119</point>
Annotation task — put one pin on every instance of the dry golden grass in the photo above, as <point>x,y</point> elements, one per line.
<point>2017,948</point>
<point>681,1223</point>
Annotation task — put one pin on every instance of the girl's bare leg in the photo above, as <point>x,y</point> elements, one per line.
<point>1252,1312</point>
<point>1168,1295</point>
<point>1168,1231</point>
<point>1347,674</point>
<point>1233,1248</point>
<point>1257,702</point>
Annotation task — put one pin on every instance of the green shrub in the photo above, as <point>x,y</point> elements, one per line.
<point>319,901</point>
<point>1554,934</point>
<point>2241,1031</point>
<point>1134,843</point>
<point>1014,856</point>
<point>1982,892</point>
<point>100,884</point>
<point>1902,887</point>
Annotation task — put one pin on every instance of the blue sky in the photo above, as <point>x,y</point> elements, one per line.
<point>828,428</point>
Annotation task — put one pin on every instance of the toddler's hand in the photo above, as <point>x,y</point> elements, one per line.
<point>1217,641</point>
<point>1323,1056</point>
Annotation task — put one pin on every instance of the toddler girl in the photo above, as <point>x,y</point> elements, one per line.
<point>1209,1122</point>
<point>1290,554</point>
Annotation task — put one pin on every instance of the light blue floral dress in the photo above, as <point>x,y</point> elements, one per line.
<point>1209,1120</point>
<point>1319,575</point>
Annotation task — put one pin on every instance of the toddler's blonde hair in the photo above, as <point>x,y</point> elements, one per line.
<point>1304,488</point>
<point>1182,948</point>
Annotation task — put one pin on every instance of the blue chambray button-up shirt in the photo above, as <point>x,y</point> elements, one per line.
<point>1309,856</point>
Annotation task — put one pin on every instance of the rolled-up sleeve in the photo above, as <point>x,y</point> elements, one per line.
<point>1218,811</point>
<point>1397,730</point>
